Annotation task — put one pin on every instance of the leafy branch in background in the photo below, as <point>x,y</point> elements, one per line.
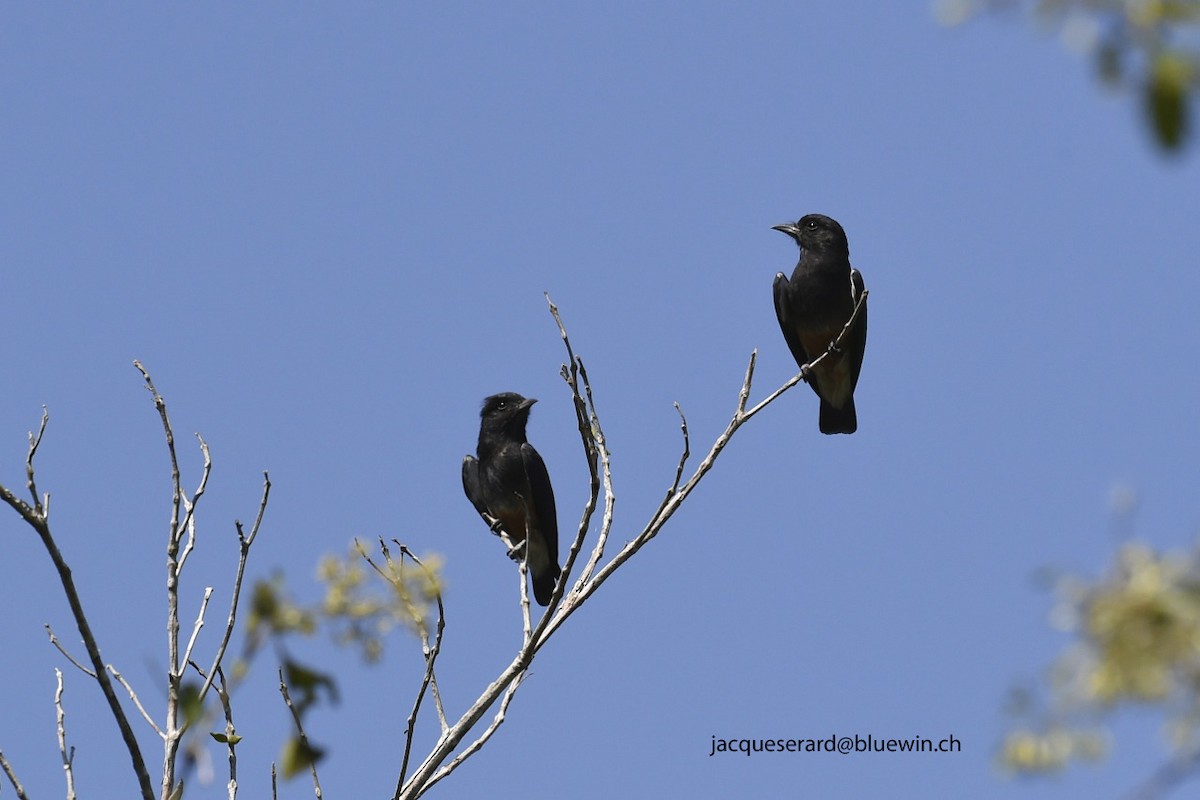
<point>1136,641</point>
<point>1151,47</point>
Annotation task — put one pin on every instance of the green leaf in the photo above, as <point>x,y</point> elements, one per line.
<point>1166,99</point>
<point>305,684</point>
<point>297,757</point>
<point>223,739</point>
<point>189,703</point>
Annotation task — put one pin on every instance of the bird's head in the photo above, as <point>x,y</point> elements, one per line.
<point>506,412</point>
<point>816,232</point>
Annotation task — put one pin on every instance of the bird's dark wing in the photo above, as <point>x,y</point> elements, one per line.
<point>788,326</point>
<point>543,499</point>
<point>472,485</point>
<point>855,343</point>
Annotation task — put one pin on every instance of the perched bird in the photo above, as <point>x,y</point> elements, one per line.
<point>509,482</point>
<point>814,306</point>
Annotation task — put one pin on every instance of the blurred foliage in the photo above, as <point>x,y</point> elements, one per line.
<point>362,603</point>
<point>1136,641</point>
<point>297,756</point>
<point>358,615</point>
<point>1151,47</point>
<point>364,598</point>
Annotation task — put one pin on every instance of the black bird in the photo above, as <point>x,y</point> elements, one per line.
<point>509,482</point>
<point>814,306</point>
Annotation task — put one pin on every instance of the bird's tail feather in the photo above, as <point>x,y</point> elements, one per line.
<point>838,420</point>
<point>543,585</point>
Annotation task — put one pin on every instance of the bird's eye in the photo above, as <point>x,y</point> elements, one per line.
<point>812,224</point>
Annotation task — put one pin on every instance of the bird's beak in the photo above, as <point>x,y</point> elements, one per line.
<point>527,403</point>
<point>789,228</point>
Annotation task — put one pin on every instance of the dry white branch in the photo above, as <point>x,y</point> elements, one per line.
<point>231,736</point>
<point>431,652</point>
<point>189,505</point>
<point>68,756</point>
<point>40,504</point>
<point>187,653</point>
<point>12,777</point>
<point>136,701</point>
<point>474,746</point>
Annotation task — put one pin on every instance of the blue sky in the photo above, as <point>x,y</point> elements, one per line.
<point>326,230</point>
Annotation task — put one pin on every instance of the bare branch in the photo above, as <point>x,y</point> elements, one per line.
<point>176,486</point>
<point>30,483</point>
<point>600,447</point>
<point>12,777</point>
<point>173,732</point>
<point>68,756</point>
<point>588,423</point>
<point>312,766</point>
<point>36,517</point>
<point>429,680</point>
<point>189,520</point>
<point>597,457</point>
<point>474,746</point>
<point>687,451</point>
<point>231,736</point>
<point>136,701</point>
<point>588,584</point>
<point>187,653</point>
<point>244,544</point>
<point>54,641</point>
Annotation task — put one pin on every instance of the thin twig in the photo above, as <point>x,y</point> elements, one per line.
<point>136,701</point>
<point>687,450</point>
<point>231,737</point>
<point>189,505</point>
<point>244,544</point>
<point>187,653</point>
<point>34,442</point>
<point>312,764</point>
<point>54,641</point>
<point>68,756</point>
<point>683,457</point>
<point>431,651</point>
<point>589,426</point>
<point>12,777</point>
<point>600,446</point>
